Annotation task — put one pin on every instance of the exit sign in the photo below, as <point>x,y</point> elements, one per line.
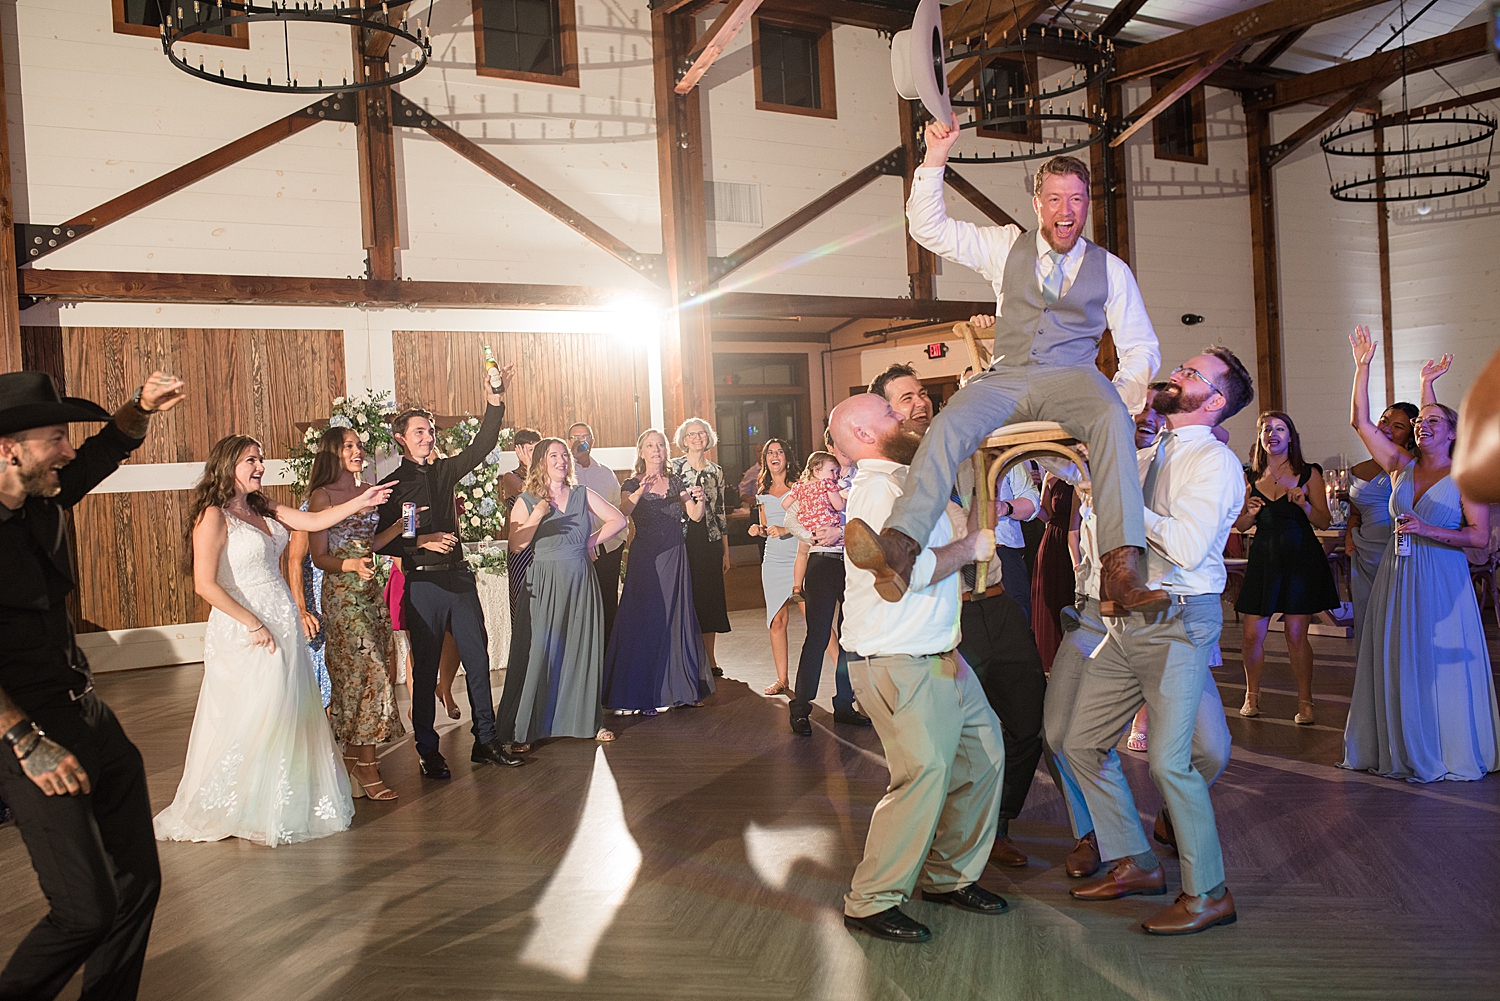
<point>935,351</point>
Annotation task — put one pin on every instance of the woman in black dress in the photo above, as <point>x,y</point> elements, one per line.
<point>1287,570</point>
<point>707,540</point>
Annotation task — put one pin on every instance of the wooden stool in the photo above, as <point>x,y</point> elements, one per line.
<point>1016,442</point>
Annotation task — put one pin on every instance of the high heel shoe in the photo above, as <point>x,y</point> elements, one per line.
<point>1252,704</point>
<point>355,790</point>
<point>1303,718</point>
<point>780,688</point>
<point>453,711</point>
<point>377,790</point>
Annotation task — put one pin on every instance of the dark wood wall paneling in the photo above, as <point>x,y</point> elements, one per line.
<point>258,382</point>
<point>560,378</point>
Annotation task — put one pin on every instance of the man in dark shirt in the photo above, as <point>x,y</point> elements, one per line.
<point>441,596</point>
<point>74,780</point>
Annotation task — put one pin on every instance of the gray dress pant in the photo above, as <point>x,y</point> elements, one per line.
<point>1083,630</point>
<point>1163,661</point>
<point>1082,400</point>
<point>936,823</point>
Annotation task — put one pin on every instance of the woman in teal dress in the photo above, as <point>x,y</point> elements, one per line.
<point>553,676</point>
<point>1423,707</point>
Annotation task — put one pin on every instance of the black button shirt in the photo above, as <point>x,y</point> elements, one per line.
<point>39,662</point>
<point>431,486</point>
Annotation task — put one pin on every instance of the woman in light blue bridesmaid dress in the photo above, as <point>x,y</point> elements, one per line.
<point>1423,707</point>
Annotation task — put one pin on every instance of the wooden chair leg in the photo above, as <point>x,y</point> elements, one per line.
<point>983,496</point>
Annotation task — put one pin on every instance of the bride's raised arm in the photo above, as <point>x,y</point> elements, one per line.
<point>317,521</point>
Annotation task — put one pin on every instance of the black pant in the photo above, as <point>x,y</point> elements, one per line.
<point>94,856</point>
<point>997,643</point>
<point>438,602</point>
<point>1015,578</point>
<point>822,590</point>
<point>607,569</point>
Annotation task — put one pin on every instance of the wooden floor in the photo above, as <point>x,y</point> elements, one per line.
<point>704,855</point>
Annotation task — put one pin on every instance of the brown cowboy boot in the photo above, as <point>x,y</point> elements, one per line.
<point>889,556</point>
<point>1123,590</point>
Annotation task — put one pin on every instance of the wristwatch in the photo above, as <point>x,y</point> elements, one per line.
<point>135,401</point>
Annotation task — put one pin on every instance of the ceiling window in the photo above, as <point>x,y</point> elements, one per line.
<point>146,17</point>
<point>794,65</point>
<point>1182,129</point>
<point>534,40</point>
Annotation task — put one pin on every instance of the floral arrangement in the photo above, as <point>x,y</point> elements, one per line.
<point>369,415</point>
<point>489,561</point>
<point>482,513</point>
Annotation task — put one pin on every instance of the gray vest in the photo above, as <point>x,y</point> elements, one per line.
<point>1030,332</point>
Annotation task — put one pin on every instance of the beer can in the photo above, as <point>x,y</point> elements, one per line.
<point>409,520</point>
<point>1403,544</point>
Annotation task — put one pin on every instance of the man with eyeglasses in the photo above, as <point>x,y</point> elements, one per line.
<point>1193,487</point>
<point>1056,295</point>
<point>603,481</point>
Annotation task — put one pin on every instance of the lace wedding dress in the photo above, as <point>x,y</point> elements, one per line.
<point>261,761</point>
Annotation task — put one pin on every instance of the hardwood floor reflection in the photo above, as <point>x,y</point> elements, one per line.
<point>704,855</point>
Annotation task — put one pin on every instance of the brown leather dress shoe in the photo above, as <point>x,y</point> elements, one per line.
<point>889,556</point>
<point>1124,590</point>
<point>1188,915</point>
<point>1164,832</point>
<point>1123,880</point>
<point>1006,853</point>
<point>1083,860</point>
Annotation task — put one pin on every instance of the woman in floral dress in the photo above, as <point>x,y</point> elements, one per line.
<point>356,623</point>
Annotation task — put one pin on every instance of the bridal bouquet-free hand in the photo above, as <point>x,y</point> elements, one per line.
<point>370,418</point>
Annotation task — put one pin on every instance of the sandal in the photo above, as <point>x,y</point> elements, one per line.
<point>780,688</point>
<point>604,736</point>
<point>1303,718</point>
<point>1252,704</point>
<point>377,790</point>
<point>1136,741</point>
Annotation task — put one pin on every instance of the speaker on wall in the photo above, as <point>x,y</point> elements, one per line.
<point>917,61</point>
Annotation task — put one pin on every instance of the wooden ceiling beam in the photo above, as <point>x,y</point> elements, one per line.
<point>1438,107</point>
<point>1120,16</point>
<point>141,286</point>
<point>1265,21</point>
<point>769,304</point>
<point>978,198</point>
<point>996,32</point>
<point>1279,47</point>
<point>892,164</point>
<point>1185,81</point>
<point>1330,116</point>
<point>1428,54</point>
<point>715,40</point>
<point>378,43</point>
<point>10,315</point>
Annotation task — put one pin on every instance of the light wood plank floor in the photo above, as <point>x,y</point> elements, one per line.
<point>704,855</point>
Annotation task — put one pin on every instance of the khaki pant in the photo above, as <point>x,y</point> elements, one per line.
<point>936,823</point>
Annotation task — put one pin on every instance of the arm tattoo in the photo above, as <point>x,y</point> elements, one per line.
<point>10,713</point>
<point>133,421</point>
<point>45,756</point>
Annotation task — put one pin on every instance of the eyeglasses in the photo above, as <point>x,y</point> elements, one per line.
<point>579,437</point>
<point>1193,373</point>
<point>696,434</point>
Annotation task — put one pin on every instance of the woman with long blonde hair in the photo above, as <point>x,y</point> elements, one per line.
<point>657,660</point>
<point>261,762</point>
<point>552,679</point>
<point>707,540</point>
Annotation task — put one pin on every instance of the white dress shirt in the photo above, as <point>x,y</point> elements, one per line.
<point>985,249</point>
<point>925,620</point>
<point>1199,491</point>
<point>601,480</point>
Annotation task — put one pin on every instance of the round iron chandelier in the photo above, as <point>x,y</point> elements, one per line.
<point>1413,170</point>
<point>1041,121</point>
<point>214,16</point>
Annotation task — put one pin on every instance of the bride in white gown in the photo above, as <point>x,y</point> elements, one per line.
<point>261,761</point>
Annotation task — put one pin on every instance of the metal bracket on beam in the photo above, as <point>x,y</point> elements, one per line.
<point>408,115</point>
<point>893,164</point>
<point>35,241</point>
<point>338,107</point>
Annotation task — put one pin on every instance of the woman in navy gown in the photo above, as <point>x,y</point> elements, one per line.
<point>659,661</point>
<point>1423,707</point>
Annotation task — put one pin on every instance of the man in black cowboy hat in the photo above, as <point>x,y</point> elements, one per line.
<point>73,779</point>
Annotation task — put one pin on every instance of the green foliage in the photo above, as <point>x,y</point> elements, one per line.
<point>368,415</point>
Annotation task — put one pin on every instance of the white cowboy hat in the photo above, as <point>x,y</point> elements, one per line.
<point>917,61</point>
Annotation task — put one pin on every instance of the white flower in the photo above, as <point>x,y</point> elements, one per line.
<point>474,521</point>
<point>339,402</point>
<point>359,417</point>
<point>364,436</point>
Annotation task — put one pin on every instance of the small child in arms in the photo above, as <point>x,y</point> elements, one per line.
<point>820,504</point>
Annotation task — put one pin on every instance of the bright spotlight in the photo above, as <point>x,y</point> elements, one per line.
<point>639,321</point>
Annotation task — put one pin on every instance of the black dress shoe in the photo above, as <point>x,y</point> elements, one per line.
<point>891,925</point>
<point>851,717</point>
<point>434,766</point>
<point>971,898</point>
<point>802,726</point>
<point>495,753</point>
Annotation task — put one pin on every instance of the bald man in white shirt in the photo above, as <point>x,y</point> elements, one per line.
<point>1056,295</point>
<point>1193,487</point>
<point>943,744</point>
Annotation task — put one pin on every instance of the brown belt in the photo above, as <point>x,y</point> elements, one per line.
<point>988,593</point>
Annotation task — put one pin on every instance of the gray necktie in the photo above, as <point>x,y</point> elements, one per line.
<point>1148,489</point>
<point>1052,284</point>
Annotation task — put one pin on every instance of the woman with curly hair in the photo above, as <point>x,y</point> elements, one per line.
<point>261,762</point>
<point>707,540</point>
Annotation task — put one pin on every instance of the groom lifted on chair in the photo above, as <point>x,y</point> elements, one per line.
<point>1057,294</point>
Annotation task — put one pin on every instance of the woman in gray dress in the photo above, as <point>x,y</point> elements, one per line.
<point>1423,707</point>
<point>556,660</point>
<point>778,470</point>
